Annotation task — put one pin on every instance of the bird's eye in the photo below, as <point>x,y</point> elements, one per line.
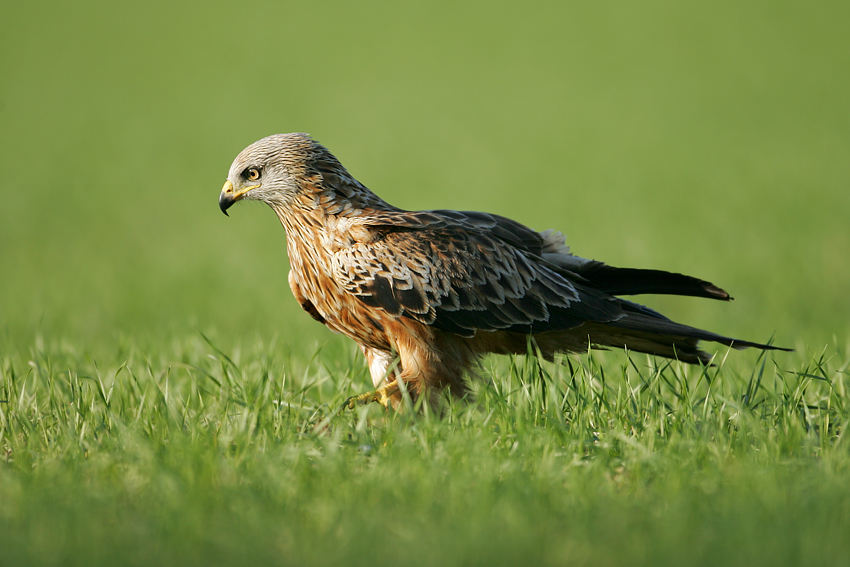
<point>251,174</point>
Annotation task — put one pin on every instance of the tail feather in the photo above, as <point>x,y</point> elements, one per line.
<point>643,332</point>
<point>639,328</point>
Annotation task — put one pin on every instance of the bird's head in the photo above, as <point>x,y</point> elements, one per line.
<point>268,170</point>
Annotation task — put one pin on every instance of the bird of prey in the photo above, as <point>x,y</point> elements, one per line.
<point>425,294</point>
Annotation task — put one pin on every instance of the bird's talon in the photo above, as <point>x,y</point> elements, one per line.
<point>382,395</point>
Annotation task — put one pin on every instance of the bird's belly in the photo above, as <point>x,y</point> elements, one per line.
<point>356,321</point>
<point>340,311</point>
<point>345,314</point>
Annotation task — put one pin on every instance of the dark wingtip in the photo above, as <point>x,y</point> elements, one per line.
<point>637,281</point>
<point>715,292</point>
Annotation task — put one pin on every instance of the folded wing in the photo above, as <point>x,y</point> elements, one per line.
<point>463,279</point>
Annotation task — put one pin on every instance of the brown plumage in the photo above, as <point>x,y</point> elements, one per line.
<point>439,289</point>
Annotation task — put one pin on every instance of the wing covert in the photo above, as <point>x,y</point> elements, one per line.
<point>462,280</point>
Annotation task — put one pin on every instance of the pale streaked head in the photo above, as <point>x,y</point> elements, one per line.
<point>267,170</point>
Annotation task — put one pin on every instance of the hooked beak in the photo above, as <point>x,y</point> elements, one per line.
<point>229,195</point>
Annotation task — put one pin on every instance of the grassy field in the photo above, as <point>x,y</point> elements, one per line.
<point>164,400</point>
<point>195,457</point>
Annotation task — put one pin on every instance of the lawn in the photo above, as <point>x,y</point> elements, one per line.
<point>164,400</point>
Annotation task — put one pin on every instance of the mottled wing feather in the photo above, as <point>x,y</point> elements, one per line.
<point>506,230</point>
<point>454,271</point>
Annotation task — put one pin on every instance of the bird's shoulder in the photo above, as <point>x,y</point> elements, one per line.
<point>375,226</point>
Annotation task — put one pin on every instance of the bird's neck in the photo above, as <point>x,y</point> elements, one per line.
<point>319,206</point>
<point>305,232</point>
<point>315,218</point>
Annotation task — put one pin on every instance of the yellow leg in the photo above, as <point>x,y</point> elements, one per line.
<point>382,395</point>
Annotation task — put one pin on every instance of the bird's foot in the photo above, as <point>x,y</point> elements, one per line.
<point>382,395</point>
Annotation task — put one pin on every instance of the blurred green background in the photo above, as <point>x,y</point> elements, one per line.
<point>710,138</point>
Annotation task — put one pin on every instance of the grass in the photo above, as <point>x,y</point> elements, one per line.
<point>708,138</point>
<point>196,456</point>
